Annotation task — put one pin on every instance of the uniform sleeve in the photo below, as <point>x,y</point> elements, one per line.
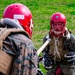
<point>47,62</point>
<point>70,43</point>
<point>46,49</point>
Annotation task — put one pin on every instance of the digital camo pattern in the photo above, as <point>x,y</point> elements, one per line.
<point>22,49</point>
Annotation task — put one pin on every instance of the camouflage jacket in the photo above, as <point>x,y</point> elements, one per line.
<point>65,44</point>
<point>25,57</point>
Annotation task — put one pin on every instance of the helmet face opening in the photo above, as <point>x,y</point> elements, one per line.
<point>57,23</point>
<point>21,13</point>
<point>57,26</point>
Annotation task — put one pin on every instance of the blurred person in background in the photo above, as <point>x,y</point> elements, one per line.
<point>59,54</point>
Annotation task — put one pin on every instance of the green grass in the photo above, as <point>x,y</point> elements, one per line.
<point>42,11</point>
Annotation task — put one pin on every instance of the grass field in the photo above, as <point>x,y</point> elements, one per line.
<point>42,11</point>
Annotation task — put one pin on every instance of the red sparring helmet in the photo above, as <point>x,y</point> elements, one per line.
<point>22,14</point>
<point>57,19</point>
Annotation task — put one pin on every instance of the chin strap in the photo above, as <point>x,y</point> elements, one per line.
<point>56,48</point>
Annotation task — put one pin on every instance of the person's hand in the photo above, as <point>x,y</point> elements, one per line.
<point>70,57</point>
<point>47,63</point>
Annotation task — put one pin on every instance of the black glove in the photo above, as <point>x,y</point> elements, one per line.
<point>70,57</point>
<point>47,63</point>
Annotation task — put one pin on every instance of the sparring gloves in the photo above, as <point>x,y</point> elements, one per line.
<point>70,57</point>
<point>47,63</point>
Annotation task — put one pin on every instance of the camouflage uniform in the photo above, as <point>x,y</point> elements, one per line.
<point>25,57</point>
<point>64,46</point>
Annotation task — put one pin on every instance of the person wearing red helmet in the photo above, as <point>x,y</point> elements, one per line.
<point>19,45</point>
<point>22,14</point>
<point>59,54</point>
<point>58,22</point>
